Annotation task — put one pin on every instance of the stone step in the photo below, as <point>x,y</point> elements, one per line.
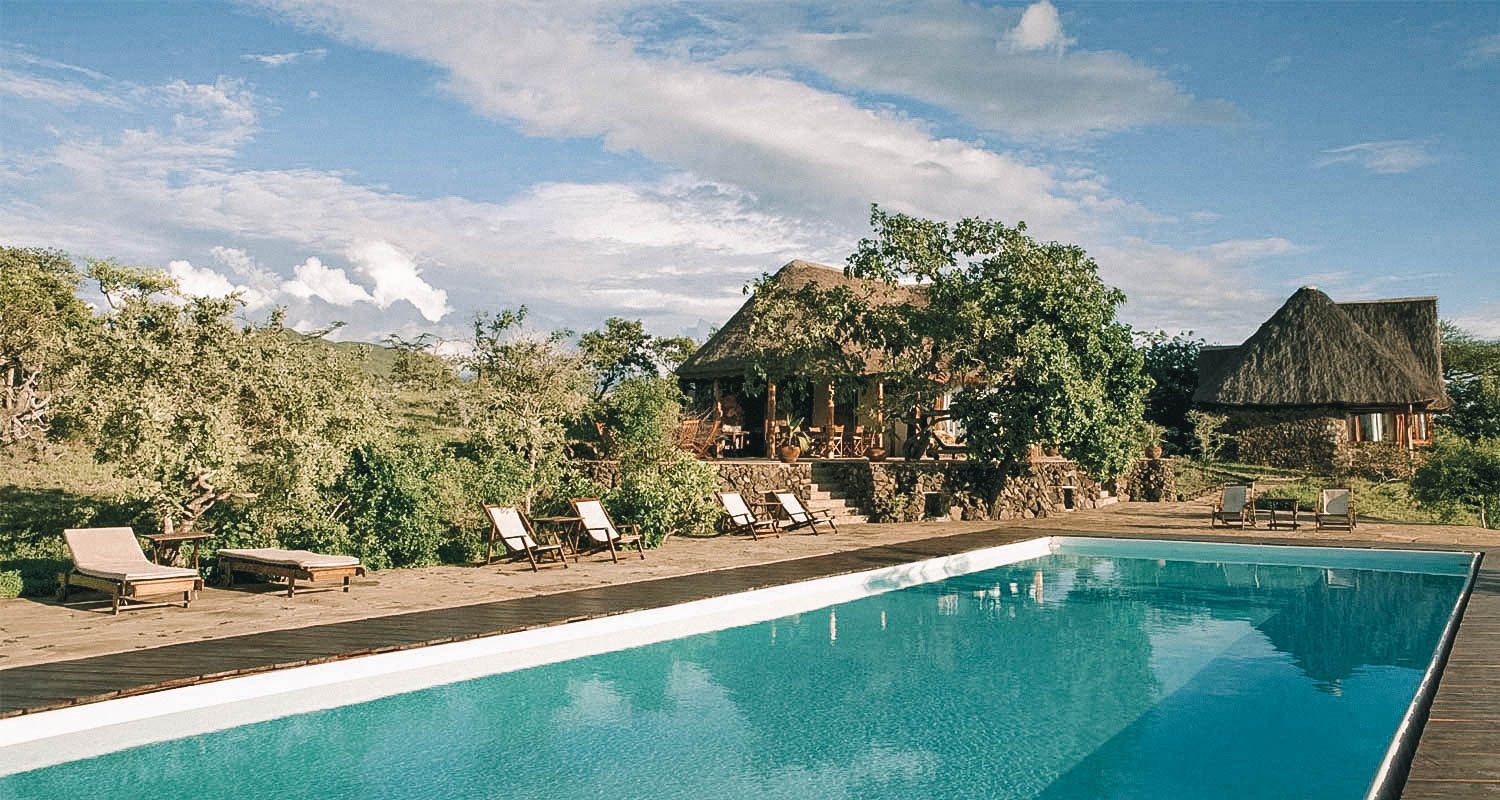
<point>851,519</point>
<point>1106,500</point>
<point>827,505</point>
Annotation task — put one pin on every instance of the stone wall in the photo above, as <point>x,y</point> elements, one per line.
<point>903,490</point>
<point>1311,439</point>
<point>1153,480</point>
<point>908,490</point>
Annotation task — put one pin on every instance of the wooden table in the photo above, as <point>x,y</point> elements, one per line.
<point>1282,511</point>
<point>561,527</point>
<point>167,545</point>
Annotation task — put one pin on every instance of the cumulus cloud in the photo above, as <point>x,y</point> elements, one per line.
<point>1386,157</point>
<point>1040,28</point>
<point>282,59</point>
<point>204,282</point>
<point>396,277</point>
<point>329,284</point>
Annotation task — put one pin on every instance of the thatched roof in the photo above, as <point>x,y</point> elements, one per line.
<point>726,353</point>
<point>1315,352</point>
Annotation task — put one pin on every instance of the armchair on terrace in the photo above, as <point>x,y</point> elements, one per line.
<point>1236,506</point>
<point>600,532</point>
<point>516,535</point>
<point>743,520</point>
<point>1335,510</point>
<point>800,517</point>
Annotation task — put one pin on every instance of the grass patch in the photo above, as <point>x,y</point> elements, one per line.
<point>1390,501</point>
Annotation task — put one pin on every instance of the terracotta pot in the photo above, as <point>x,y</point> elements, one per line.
<point>875,454</point>
<point>1052,451</point>
<point>1153,452</point>
<point>788,453</point>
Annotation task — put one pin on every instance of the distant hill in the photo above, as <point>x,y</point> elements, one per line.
<point>378,359</point>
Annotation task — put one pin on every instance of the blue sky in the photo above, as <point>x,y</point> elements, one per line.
<point>400,166</point>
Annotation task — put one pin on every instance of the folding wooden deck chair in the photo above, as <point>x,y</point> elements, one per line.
<point>1335,510</point>
<point>600,532</point>
<point>743,520</point>
<point>799,516</point>
<point>273,563</point>
<point>1236,506</point>
<point>110,560</point>
<point>518,538</point>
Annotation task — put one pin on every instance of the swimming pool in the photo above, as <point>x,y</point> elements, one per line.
<point>1102,669</point>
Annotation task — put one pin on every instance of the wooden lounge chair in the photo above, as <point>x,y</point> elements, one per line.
<point>1335,510</point>
<point>799,516</point>
<point>743,520</point>
<point>600,532</point>
<point>272,563</point>
<point>110,560</point>
<point>516,535</point>
<point>1236,506</point>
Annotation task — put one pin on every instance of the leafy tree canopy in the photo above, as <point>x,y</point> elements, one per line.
<point>622,349</point>
<point>1460,474</point>
<point>1172,364</point>
<point>1027,327</point>
<point>1472,368</point>
<point>41,323</point>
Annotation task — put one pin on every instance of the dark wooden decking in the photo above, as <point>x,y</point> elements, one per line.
<point>1458,756</point>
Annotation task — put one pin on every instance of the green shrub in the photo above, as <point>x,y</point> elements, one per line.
<point>640,419</point>
<point>399,504</point>
<point>674,496</point>
<point>11,583</point>
<point>896,507</point>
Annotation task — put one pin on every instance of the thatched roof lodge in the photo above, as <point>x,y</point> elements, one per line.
<point>1319,380</point>
<point>856,412</point>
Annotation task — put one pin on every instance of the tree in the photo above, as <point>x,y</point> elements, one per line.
<point>1471,367</point>
<point>524,389</point>
<point>175,393</point>
<point>1172,365</point>
<point>622,349</point>
<point>1460,474</point>
<point>41,323</point>
<point>1027,326</point>
<point>417,366</point>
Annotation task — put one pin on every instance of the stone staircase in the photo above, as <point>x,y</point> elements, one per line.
<point>825,492</point>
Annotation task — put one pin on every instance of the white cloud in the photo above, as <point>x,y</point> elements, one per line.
<point>1040,92</point>
<point>1484,51</point>
<point>63,94</point>
<point>1040,28</point>
<point>1387,157</point>
<point>1482,321</point>
<point>1214,290</point>
<point>1204,216</point>
<point>328,284</point>
<point>199,282</point>
<point>282,59</point>
<point>1241,250</point>
<point>396,278</point>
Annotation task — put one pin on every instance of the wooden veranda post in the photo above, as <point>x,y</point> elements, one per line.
<point>828,428</point>
<point>770,419</point>
<point>880,414</point>
<point>718,401</point>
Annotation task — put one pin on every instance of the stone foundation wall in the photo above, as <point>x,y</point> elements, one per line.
<point>1153,480</point>
<point>1312,439</point>
<point>750,478</point>
<point>902,490</point>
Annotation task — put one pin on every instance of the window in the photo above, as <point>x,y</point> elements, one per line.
<point>1422,428</point>
<point>1369,427</point>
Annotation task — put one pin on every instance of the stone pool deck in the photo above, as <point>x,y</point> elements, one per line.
<point>51,656</point>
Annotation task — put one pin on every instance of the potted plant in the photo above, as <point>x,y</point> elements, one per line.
<point>1151,435</point>
<point>797,441</point>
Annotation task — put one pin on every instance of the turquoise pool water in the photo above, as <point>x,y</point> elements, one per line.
<point>1077,675</point>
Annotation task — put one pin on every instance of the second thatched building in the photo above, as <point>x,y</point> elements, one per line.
<point>1330,386</point>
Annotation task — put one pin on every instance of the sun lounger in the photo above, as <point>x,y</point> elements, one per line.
<point>516,535</point>
<point>743,520</point>
<point>292,565</point>
<point>1236,507</point>
<point>600,532</point>
<point>799,516</point>
<point>110,560</point>
<point>1335,510</point>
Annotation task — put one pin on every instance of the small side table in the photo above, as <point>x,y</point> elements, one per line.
<point>561,526</point>
<point>167,545</point>
<point>1283,512</point>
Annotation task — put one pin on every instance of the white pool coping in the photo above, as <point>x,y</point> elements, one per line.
<point>33,741</point>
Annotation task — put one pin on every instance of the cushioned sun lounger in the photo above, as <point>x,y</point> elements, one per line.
<point>600,532</point>
<point>799,516</point>
<point>515,533</point>
<point>110,560</point>
<point>743,520</point>
<point>272,563</point>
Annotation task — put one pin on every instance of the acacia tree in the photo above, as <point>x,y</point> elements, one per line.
<point>175,393</point>
<point>41,323</point>
<point>1028,326</point>
<point>622,349</point>
<point>523,390</point>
